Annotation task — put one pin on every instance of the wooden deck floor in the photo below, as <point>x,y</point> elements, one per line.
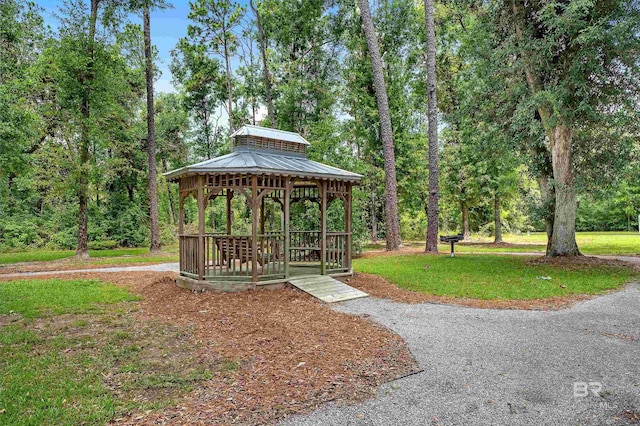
<point>326,288</point>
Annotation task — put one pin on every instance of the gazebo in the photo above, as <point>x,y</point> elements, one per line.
<point>265,166</point>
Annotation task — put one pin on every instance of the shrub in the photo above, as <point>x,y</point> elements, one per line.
<point>103,245</point>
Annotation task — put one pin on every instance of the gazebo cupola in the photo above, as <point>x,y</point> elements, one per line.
<point>270,170</point>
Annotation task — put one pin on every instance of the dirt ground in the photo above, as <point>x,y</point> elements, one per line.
<point>287,353</point>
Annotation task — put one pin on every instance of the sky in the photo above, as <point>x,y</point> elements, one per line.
<point>167,27</point>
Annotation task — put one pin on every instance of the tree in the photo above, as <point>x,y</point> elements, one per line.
<point>580,63</point>
<point>213,27</point>
<point>95,96</point>
<point>155,245</point>
<point>432,226</point>
<point>303,63</point>
<point>393,225</point>
<point>22,36</point>
<point>198,75</point>
<point>249,87</point>
<point>87,80</point>
<point>172,127</point>
<point>265,66</point>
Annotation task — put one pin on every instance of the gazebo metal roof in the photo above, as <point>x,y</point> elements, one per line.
<point>265,132</point>
<point>256,160</point>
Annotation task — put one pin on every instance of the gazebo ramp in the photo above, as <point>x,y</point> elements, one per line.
<point>326,288</point>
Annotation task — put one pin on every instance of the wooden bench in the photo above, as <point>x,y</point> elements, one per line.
<point>234,249</point>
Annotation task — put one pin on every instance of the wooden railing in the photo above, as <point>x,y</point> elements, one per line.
<point>304,246</point>
<point>271,254</point>
<point>337,251</point>
<point>230,256</point>
<point>189,254</point>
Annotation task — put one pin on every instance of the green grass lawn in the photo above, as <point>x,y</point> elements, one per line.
<point>72,353</point>
<point>603,243</point>
<point>492,277</point>
<point>122,255</point>
<point>475,246</point>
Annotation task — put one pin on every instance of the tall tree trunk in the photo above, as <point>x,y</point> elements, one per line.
<point>207,132</point>
<point>265,67</point>
<point>497,219</point>
<point>155,246</point>
<point>432,106</point>
<point>253,113</point>
<point>465,221</point>
<point>172,203</point>
<point>82,249</point>
<point>391,194</point>
<point>548,203</point>
<point>628,222</point>
<point>564,221</point>
<point>229,89</point>
<point>374,217</point>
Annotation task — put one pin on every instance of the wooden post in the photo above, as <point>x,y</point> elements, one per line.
<point>323,227</point>
<point>254,229</point>
<point>181,198</point>
<point>181,248</point>
<point>201,208</point>
<point>285,225</point>
<point>348,225</point>
<point>229,198</point>
<point>262,215</point>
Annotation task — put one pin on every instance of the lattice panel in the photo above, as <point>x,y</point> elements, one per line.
<point>337,187</point>
<point>300,193</point>
<point>226,181</point>
<point>272,182</point>
<point>273,144</point>
<point>188,183</point>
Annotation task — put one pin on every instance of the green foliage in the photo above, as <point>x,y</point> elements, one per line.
<point>492,277</point>
<point>492,136</point>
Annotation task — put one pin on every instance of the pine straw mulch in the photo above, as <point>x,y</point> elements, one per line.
<point>289,352</point>
<point>584,262</point>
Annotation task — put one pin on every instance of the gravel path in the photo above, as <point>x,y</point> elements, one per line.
<point>161,267</point>
<point>501,367</point>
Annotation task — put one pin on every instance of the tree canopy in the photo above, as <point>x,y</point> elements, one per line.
<point>537,114</point>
